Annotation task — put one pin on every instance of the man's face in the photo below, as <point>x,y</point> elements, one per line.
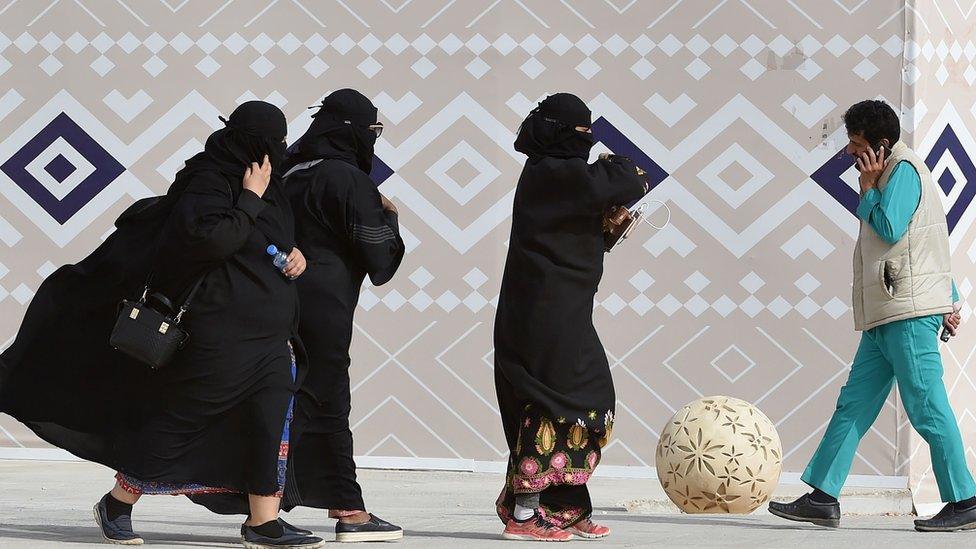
<point>857,144</point>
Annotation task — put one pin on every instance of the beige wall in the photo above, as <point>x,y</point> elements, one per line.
<point>746,293</point>
<point>944,100</point>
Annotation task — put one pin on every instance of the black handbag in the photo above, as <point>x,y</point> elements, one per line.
<point>148,335</point>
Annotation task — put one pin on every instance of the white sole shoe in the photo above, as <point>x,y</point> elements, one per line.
<point>98,521</point>
<point>356,537</point>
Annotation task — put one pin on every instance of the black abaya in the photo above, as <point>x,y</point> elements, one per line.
<point>345,234</point>
<point>553,381</point>
<point>228,391</point>
<point>214,417</point>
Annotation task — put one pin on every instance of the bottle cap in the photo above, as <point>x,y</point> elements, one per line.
<point>272,249</point>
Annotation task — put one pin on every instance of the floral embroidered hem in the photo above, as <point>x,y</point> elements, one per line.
<point>555,459</point>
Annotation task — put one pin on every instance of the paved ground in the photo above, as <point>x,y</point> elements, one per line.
<point>48,504</point>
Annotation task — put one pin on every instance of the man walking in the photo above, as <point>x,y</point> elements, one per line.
<point>903,294</point>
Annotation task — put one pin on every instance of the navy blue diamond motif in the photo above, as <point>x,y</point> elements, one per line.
<point>380,172</point>
<point>828,177</point>
<point>606,133</point>
<point>107,168</point>
<point>947,181</point>
<point>948,143</point>
<point>60,168</point>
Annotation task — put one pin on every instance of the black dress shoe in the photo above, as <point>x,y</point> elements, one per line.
<point>118,531</point>
<point>374,529</point>
<point>949,519</point>
<point>805,509</point>
<point>291,540</point>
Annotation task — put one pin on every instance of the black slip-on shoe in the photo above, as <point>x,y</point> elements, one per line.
<point>118,531</point>
<point>287,540</point>
<point>374,529</point>
<point>949,519</point>
<point>288,528</point>
<point>805,509</point>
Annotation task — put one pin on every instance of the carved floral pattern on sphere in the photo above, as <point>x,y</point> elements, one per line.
<point>719,455</point>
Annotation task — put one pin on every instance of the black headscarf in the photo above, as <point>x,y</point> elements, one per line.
<point>254,129</point>
<point>550,129</point>
<point>340,129</point>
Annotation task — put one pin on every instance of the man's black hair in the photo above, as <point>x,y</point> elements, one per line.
<point>874,120</point>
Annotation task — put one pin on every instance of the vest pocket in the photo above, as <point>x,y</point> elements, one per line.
<point>891,275</point>
<point>884,279</point>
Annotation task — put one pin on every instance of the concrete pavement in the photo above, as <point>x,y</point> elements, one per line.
<point>48,504</point>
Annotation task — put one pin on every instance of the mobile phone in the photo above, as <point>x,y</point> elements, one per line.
<point>877,153</point>
<point>945,335</point>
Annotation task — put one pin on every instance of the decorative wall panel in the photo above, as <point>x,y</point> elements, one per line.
<point>734,105</point>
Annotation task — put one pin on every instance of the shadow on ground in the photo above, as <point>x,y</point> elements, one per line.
<point>737,521</point>
<point>90,534</point>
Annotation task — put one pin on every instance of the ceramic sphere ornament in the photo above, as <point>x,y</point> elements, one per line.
<point>719,455</point>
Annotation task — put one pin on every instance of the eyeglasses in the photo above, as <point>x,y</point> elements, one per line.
<point>376,128</point>
<point>581,129</point>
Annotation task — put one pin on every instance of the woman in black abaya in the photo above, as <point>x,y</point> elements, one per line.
<point>553,381</point>
<point>216,419</point>
<point>348,230</point>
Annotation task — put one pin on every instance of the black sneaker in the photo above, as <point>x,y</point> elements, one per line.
<point>374,529</point>
<point>118,531</point>
<point>949,519</point>
<point>288,528</point>
<point>289,539</point>
<point>805,509</point>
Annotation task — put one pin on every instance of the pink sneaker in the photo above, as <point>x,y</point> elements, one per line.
<point>534,529</point>
<point>588,529</point>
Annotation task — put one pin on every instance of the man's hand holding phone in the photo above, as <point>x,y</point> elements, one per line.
<point>870,164</point>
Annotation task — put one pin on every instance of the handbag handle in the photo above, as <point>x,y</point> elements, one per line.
<point>186,302</point>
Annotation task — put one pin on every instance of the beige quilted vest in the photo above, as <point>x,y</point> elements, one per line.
<point>911,278</point>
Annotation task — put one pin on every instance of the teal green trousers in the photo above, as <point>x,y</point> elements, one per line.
<point>905,351</point>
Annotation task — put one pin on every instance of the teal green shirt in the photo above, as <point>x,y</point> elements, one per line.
<point>890,212</point>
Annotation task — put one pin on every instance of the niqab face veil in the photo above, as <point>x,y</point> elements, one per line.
<point>340,129</point>
<point>254,129</point>
<point>550,129</point>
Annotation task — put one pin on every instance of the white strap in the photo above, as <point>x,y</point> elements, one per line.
<point>643,218</point>
<point>666,222</point>
<point>301,166</point>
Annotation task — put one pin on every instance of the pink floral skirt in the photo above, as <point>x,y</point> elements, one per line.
<point>555,457</point>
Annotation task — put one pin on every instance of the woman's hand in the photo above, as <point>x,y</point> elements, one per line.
<point>256,178</point>
<point>296,264</point>
<point>388,205</point>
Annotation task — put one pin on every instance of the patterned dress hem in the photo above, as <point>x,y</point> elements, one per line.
<point>136,486</point>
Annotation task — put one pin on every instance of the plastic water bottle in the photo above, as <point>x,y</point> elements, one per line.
<point>279,259</point>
